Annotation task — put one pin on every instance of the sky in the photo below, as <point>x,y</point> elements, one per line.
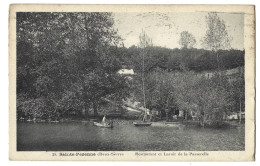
<point>165,28</point>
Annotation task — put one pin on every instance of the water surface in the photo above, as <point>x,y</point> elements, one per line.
<point>78,136</point>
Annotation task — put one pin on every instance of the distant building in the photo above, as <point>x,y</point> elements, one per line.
<point>232,116</point>
<point>128,73</point>
<point>236,116</point>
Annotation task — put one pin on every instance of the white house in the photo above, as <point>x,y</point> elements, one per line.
<point>126,71</point>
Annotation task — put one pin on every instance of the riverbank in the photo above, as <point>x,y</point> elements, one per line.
<point>161,123</point>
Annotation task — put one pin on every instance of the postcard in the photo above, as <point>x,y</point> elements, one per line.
<point>132,82</point>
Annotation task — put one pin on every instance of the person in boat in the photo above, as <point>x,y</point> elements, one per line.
<point>104,120</point>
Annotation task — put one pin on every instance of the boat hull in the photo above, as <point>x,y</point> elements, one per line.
<point>104,125</point>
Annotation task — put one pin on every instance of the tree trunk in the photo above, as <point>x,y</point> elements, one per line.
<point>202,119</point>
<point>85,112</point>
<point>144,90</point>
<point>95,109</point>
<point>220,74</point>
<point>167,117</point>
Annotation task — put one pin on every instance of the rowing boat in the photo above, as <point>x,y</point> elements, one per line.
<point>105,125</point>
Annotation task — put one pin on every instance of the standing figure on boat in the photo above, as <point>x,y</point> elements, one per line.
<point>104,119</point>
<point>104,123</point>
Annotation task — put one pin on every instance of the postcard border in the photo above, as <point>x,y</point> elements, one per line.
<point>249,44</point>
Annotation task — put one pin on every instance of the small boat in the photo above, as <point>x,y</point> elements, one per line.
<point>142,123</point>
<point>105,125</point>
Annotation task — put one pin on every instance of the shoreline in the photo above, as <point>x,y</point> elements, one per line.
<point>162,123</point>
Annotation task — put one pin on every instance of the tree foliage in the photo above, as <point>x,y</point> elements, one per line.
<point>195,93</point>
<point>64,62</point>
<point>187,40</point>
<point>216,35</point>
<point>176,59</point>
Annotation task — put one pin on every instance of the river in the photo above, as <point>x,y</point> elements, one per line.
<point>78,136</point>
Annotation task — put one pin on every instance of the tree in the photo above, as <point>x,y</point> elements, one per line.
<point>237,89</point>
<point>145,41</point>
<point>161,90</point>
<point>187,40</point>
<point>216,37</point>
<point>203,95</point>
<point>64,60</point>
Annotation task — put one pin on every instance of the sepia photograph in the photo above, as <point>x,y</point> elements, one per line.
<point>151,82</point>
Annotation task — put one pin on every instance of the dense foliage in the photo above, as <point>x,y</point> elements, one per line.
<point>180,59</point>
<point>67,65</point>
<point>64,64</point>
<point>208,99</point>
